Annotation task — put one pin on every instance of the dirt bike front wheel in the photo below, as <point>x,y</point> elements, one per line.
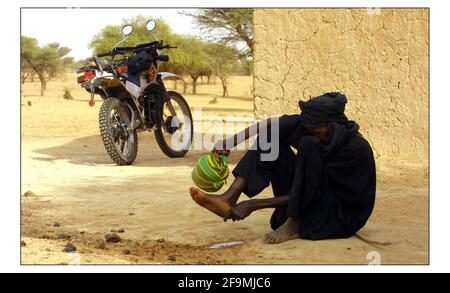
<point>174,134</point>
<point>120,141</point>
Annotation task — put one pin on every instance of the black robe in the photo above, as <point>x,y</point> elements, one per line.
<point>331,188</point>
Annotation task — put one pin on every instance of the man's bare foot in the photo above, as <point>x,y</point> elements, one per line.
<point>215,203</point>
<point>287,231</point>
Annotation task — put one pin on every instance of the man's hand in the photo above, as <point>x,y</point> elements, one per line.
<point>240,211</point>
<point>220,148</point>
<point>222,152</point>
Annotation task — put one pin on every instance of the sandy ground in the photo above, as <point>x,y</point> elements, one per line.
<point>77,187</point>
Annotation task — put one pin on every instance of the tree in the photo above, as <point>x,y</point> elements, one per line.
<point>25,70</point>
<point>224,62</point>
<point>247,66</point>
<point>189,58</point>
<point>28,45</point>
<point>45,61</point>
<point>227,25</point>
<point>196,61</point>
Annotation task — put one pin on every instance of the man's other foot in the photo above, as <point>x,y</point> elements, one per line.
<point>287,231</point>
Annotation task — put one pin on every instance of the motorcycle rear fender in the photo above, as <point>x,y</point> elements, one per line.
<point>97,90</point>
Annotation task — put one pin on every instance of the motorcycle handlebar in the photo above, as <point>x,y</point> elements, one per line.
<point>104,54</point>
<point>122,50</point>
<point>158,46</point>
<point>136,47</point>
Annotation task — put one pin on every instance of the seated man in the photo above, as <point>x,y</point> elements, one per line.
<point>325,190</point>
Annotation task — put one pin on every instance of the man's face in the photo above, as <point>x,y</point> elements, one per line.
<point>321,132</point>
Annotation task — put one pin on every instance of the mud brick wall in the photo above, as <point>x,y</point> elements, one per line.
<point>377,57</point>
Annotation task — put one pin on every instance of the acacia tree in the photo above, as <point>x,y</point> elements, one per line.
<point>46,61</point>
<point>224,61</point>
<point>226,25</point>
<point>198,62</point>
<point>28,45</point>
<point>25,70</point>
<point>190,58</point>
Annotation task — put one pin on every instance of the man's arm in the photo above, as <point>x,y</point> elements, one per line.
<point>224,146</point>
<point>245,208</point>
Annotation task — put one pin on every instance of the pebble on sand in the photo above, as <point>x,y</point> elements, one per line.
<point>100,244</point>
<point>29,103</point>
<point>131,214</point>
<point>173,257</point>
<point>112,238</point>
<point>61,235</point>
<point>126,251</point>
<point>120,230</point>
<point>70,247</point>
<point>56,225</point>
<point>29,194</point>
<point>22,243</point>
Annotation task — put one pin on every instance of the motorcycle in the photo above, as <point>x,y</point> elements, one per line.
<point>135,99</point>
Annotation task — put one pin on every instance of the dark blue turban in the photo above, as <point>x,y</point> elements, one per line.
<point>328,107</point>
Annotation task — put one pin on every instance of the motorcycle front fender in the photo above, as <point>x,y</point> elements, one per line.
<point>170,76</point>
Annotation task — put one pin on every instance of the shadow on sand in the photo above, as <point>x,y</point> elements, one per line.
<point>90,151</point>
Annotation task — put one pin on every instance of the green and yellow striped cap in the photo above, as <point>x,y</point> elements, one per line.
<point>211,172</point>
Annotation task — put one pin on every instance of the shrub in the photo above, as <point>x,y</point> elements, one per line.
<point>67,95</point>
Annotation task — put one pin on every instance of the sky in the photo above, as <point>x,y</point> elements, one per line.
<point>74,27</point>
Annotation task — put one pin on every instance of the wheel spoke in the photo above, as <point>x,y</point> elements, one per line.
<point>115,132</point>
<point>122,145</point>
